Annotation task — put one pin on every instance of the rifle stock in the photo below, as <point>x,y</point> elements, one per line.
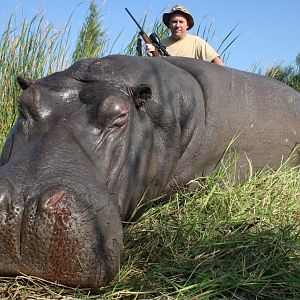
<point>143,34</point>
<point>148,41</point>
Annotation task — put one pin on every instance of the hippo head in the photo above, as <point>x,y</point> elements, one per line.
<point>75,165</point>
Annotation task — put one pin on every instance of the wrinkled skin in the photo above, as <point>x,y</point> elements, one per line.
<point>93,140</point>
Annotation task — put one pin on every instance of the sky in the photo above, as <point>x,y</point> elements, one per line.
<point>268,30</point>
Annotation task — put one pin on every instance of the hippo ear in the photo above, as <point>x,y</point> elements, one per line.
<point>141,94</point>
<point>24,83</point>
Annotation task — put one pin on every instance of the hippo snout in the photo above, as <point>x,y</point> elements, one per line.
<point>55,235</point>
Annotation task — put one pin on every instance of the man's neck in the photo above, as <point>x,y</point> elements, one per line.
<point>176,38</point>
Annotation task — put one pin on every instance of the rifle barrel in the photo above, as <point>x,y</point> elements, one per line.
<point>143,34</point>
<point>135,21</point>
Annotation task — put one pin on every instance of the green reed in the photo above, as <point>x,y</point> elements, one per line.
<point>28,48</point>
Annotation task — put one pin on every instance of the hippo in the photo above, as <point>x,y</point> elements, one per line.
<point>93,140</point>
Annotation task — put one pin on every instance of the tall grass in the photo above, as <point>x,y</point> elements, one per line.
<point>92,40</point>
<point>288,74</point>
<point>32,49</point>
<point>223,241</point>
<point>207,31</point>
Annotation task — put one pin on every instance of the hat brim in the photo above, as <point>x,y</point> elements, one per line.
<point>166,18</point>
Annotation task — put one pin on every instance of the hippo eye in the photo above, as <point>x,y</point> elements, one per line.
<point>120,120</point>
<point>113,112</point>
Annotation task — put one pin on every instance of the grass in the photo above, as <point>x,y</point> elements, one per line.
<point>224,240</point>
<point>288,74</point>
<point>30,48</point>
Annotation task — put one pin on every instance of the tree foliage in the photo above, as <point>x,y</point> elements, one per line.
<point>92,40</point>
<point>288,74</point>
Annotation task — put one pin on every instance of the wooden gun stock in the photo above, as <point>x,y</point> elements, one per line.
<point>148,41</point>
<point>143,34</point>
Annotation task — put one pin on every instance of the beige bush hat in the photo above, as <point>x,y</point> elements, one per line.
<point>178,8</point>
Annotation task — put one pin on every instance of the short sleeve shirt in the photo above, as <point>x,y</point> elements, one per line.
<point>190,46</point>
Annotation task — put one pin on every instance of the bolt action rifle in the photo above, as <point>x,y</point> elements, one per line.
<point>159,49</point>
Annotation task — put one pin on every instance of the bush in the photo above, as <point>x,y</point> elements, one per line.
<point>287,74</point>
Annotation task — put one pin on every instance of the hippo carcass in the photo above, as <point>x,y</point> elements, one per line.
<point>91,141</point>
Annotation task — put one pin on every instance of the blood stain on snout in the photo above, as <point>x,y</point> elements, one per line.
<point>57,205</point>
<point>63,244</point>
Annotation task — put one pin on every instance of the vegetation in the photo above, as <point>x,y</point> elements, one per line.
<point>92,40</point>
<point>225,240</point>
<point>287,74</point>
<point>32,49</point>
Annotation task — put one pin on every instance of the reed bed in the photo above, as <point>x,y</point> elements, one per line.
<point>32,49</point>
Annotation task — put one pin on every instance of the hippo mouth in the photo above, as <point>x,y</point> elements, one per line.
<point>59,237</point>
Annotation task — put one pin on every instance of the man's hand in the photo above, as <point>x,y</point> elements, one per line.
<point>218,61</point>
<point>150,49</point>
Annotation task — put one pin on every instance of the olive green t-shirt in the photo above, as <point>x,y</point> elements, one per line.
<point>190,46</point>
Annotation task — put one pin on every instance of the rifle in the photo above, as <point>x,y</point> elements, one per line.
<point>156,42</point>
<point>159,49</point>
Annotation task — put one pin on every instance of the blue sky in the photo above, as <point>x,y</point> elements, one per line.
<point>268,30</point>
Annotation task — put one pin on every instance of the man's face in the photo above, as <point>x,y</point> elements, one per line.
<point>178,25</point>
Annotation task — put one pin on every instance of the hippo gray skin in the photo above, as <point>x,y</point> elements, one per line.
<point>91,141</point>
